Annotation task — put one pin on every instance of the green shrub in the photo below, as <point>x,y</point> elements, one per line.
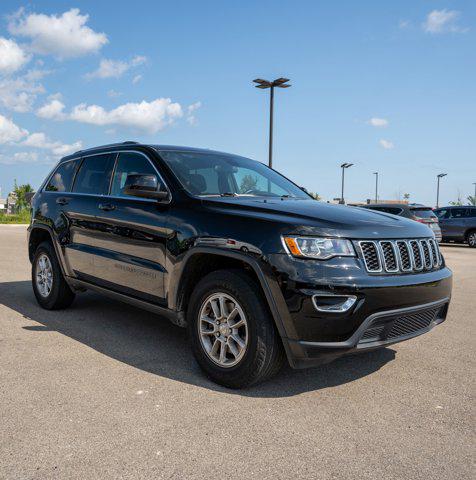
<point>22,217</point>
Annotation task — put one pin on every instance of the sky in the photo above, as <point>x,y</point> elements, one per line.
<point>387,86</point>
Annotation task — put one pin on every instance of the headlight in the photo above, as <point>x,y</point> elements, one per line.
<point>319,247</point>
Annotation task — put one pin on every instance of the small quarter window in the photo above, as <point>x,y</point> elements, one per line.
<point>62,179</point>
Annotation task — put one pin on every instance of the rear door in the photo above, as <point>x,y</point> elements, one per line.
<point>455,225</point>
<point>131,245</point>
<point>85,231</point>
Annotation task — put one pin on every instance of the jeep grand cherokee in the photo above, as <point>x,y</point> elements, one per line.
<point>256,269</point>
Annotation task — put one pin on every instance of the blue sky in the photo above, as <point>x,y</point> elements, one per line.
<point>388,86</point>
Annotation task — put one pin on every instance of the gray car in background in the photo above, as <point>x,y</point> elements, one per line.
<point>458,224</point>
<point>414,211</point>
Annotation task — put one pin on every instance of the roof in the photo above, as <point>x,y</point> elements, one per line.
<point>138,144</point>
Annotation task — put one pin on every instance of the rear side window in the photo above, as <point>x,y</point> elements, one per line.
<point>423,212</point>
<point>62,179</point>
<point>458,212</point>
<point>94,175</point>
<point>472,212</point>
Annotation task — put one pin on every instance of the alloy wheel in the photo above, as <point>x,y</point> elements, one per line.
<point>44,275</point>
<point>223,329</point>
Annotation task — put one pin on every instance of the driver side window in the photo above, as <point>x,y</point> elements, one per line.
<point>130,164</point>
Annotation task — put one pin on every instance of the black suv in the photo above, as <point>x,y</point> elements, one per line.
<point>458,224</point>
<point>255,268</point>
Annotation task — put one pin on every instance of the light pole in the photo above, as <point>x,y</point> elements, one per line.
<point>264,84</point>
<point>376,186</point>
<point>474,183</point>
<point>343,166</point>
<point>439,176</point>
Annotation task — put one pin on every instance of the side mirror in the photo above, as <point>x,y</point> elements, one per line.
<point>145,186</point>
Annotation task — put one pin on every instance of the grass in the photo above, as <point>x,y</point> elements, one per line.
<point>22,217</point>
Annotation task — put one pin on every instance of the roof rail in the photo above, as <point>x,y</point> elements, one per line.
<point>127,142</point>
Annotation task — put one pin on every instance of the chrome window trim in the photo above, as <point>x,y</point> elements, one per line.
<point>378,256</point>
<point>117,152</point>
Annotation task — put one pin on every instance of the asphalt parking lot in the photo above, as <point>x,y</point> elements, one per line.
<point>107,391</point>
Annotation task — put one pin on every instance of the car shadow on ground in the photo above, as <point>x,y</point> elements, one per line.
<point>151,343</point>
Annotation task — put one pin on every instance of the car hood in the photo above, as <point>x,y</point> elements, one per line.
<point>310,217</point>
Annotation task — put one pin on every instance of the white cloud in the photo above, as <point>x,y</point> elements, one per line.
<point>63,36</point>
<point>18,157</point>
<point>10,132</point>
<point>443,21</point>
<point>12,56</point>
<point>378,122</point>
<point>115,68</point>
<point>404,24</point>
<point>387,144</point>
<point>52,109</point>
<point>19,94</point>
<point>148,116</point>
<point>136,79</point>
<point>190,109</point>
<point>58,149</point>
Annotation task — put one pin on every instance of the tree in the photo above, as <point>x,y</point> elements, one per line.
<point>472,200</point>
<point>248,183</point>
<point>406,196</point>
<point>21,194</point>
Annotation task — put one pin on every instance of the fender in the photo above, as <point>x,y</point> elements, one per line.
<point>267,280</point>
<point>54,241</point>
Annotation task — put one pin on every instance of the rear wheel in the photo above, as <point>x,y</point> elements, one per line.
<point>50,288</point>
<point>233,337</point>
<point>471,238</point>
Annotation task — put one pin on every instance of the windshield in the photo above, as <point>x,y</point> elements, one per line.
<point>423,212</point>
<point>228,175</point>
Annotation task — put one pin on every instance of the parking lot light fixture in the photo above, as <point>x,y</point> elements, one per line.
<point>343,166</point>
<point>439,176</point>
<point>265,84</point>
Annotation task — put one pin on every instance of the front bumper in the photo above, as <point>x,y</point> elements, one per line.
<point>396,307</point>
<point>378,330</point>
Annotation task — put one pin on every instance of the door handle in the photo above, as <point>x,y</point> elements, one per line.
<point>106,207</point>
<point>62,201</point>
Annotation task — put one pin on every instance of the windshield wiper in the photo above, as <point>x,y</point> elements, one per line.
<point>228,194</point>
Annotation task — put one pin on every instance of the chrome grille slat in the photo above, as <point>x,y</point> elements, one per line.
<point>400,256</point>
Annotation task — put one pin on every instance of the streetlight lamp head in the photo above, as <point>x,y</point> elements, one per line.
<point>441,175</point>
<point>346,165</point>
<point>262,83</point>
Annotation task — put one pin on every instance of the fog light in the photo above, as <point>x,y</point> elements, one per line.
<point>333,303</point>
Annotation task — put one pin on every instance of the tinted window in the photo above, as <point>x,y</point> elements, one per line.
<point>423,212</point>
<point>217,174</point>
<point>129,164</point>
<point>458,212</point>
<point>472,212</point>
<point>62,179</point>
<point>94,175</point>
<point>392,210</point>
<point>442,213</point>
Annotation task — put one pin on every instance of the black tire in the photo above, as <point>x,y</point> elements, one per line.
<point>471,238</point>
<point>60,295</point>
<point>264,354</point>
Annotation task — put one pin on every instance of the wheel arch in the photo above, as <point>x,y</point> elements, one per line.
<point>209,259</point>
<point>38,234</point>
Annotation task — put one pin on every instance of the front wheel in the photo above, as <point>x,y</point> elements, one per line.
<point>233,336</point>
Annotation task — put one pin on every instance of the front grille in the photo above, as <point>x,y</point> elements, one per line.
<point>391,327</point>
<point>400,256</point>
